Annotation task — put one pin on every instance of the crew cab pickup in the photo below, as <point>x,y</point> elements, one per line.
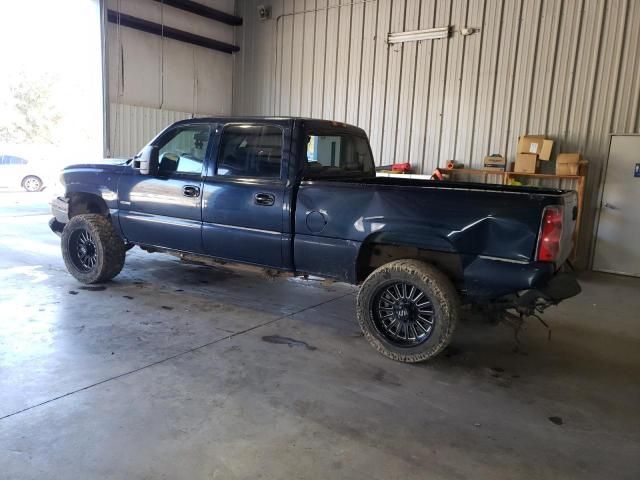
<point>302,196</point>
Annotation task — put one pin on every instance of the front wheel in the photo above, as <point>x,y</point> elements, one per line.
<point>408,310</point>
<point>92,250</point>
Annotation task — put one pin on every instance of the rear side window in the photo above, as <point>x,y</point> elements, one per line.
<point>338,155</point>
<point>250,151</point>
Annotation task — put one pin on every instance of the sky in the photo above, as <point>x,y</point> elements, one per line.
<point>59,39</point>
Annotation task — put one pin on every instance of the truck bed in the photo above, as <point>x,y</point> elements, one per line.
<point>470,222</point>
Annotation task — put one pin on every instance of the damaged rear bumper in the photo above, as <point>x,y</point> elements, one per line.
<point>561,286</point>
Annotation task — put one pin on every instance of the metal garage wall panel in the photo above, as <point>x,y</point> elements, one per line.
<point>438,81</point>
<point>392,97</point>
<point>532,67</point>
<point>319,58</point>
<point>524,72</point>
<point>354,78</point>
<point>210,76</point>
<point>453,87</point>
<point>586,68</point>
<point>607,73</point>
<point>367,63</point>
<point>297,55</point>
<point>308,60</point>
<point>562,91</point>
<point>467,105</point>
<point>508,48</point>
<point>132,127</point>
<point>286,66</point>
<point>422,97</point>
<point>341,86</point>
<point>402,137</point>
<point>486,85</point>
<point>545,64</point>
<point>278,60</point>
<point>331,58</point>
<point>380,72</point>
<point>566,68</point>
<point>179,75</point>
<point>628,94</point>
<point>605,90</point>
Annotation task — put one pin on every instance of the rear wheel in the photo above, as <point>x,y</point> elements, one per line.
<point>32,183</point>
<point>92,250</point>
<point>408,310</point>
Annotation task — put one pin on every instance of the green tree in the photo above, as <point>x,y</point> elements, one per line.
<point>30,115</point>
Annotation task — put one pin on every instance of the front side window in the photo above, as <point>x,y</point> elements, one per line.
<point>250,151</point>
<point>337,155</point>
<point>184,151</point>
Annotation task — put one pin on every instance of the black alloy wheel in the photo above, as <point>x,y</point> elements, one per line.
<point>403,314</point>
<point>84,252</point>
<point>408,310</point>
<point>92,250</point>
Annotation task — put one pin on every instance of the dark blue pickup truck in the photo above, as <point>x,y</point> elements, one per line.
<point>302,196</point>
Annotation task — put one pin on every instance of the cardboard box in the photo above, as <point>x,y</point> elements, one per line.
<point>567,163</point>
<point>495,163</point>
<point>535,144</point>
<point>526,163</point>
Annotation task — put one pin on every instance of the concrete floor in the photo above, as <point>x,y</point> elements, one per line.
<point>178,371</point>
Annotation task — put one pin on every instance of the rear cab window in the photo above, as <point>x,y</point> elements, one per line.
<point>336,153</point>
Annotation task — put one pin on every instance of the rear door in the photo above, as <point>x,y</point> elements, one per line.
<point>244,195</point>
<point>165,210</point>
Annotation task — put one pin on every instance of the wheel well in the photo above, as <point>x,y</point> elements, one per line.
<point>374,255</point>
<point>80,203</point>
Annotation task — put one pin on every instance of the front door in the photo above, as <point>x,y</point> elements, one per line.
<point>165,210</point>
<point>617,248</point>
<point>243,196</point>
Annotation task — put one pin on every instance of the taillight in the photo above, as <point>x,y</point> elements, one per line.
<point>550,234</point>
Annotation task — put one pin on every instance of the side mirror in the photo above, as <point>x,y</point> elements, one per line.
<point>147,161</point>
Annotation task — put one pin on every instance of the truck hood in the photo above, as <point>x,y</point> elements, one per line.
<point>94,172</point>
<point>104,164</point>
<point>99,178</point>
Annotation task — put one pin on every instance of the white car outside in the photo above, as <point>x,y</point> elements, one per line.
<point>28,167</point>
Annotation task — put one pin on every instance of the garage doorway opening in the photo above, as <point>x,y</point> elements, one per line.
<point>51,92</point>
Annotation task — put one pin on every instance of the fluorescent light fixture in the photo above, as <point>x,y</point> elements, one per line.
<point>417,35</point>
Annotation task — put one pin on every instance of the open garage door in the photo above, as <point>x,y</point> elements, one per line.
<point>51,95</point>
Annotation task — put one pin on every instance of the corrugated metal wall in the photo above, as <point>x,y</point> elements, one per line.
<point>132,127</point>
<point>568,69</point>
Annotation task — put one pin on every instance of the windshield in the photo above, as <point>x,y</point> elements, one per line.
<point>337,155</point>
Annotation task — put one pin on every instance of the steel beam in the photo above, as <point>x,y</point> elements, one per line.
<point>169,32</point>
<point>204,11</point>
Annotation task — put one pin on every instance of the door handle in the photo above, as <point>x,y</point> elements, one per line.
<point>266,199</point>
<point>609,206</point>
<point>191,191</point>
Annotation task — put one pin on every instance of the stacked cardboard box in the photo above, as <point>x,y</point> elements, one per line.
<point>531,149</point>
<point>495,163</point>
<point>568,163</point>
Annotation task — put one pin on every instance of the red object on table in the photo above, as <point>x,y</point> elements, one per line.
<point>401,167</point>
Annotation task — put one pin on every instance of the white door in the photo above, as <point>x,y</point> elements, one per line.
<point>617,245</point>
